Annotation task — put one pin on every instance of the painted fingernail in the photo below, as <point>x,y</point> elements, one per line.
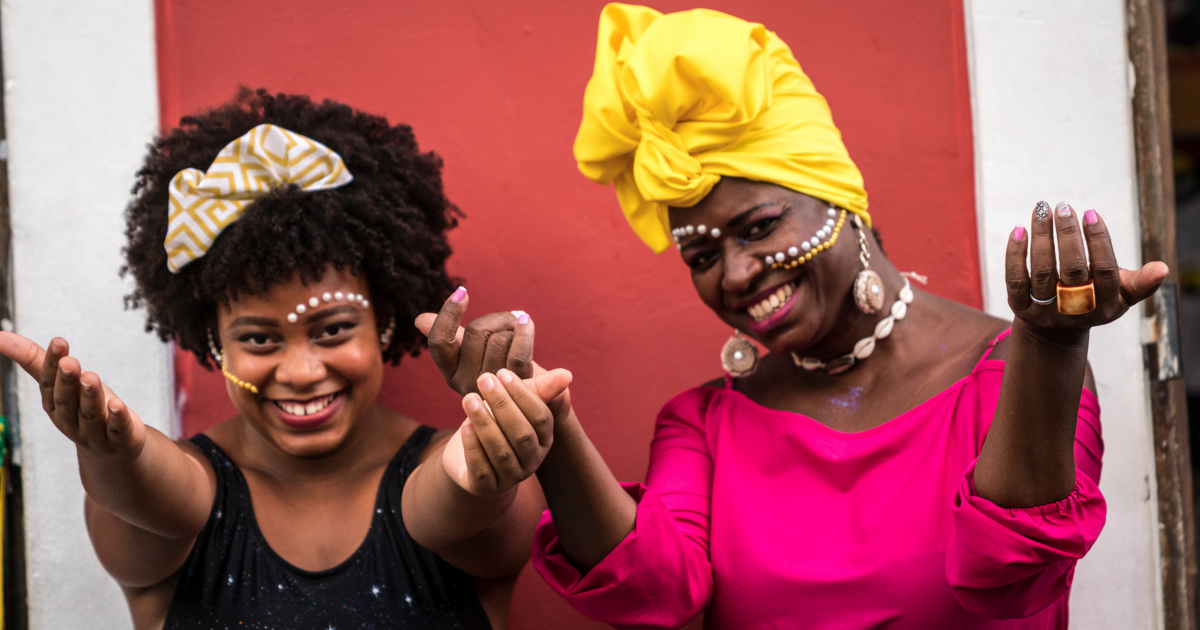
<point>506,377</point>
<point>523,319</point>
<point>486,382</point>
<point>1019,233</point>
<point>1064,209</point>
<point>1090,217</point>
<point>1042,211</point>
<point>459,294</point>
<point>472,404</point>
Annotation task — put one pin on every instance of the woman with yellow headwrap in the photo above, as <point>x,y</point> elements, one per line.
<point>897,459</point>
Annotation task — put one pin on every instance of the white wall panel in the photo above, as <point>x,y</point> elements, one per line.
<point>1052,115</point>
<point>81,105</point>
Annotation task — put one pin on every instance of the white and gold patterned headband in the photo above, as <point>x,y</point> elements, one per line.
<point>266,157</point>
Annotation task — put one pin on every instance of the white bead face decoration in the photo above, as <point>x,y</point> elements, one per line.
<point>825,237</point>
<point>313,302</point>
<point>680,232</point>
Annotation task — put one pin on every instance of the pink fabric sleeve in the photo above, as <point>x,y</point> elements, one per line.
<point>1011,563</point>
<point>659,576</point>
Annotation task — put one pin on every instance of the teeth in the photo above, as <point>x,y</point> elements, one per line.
<point>305,409</point>
<point>767,307</point>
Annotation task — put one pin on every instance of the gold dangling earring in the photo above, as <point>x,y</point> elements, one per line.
<point>739,357</point>
<point>868,286</point>
<point>219,356</point>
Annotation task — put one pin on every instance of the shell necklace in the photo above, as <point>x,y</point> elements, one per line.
<point>866,345</point>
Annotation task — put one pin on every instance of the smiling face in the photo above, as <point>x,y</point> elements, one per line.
<point>784,309</point>
<point>317,376</point>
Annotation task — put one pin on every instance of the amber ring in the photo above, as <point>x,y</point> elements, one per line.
<point>1078,300</point>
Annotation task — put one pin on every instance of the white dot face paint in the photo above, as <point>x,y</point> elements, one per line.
<point>300,308</point>
<point>327,296</point>
<point>292,318</point>
<point>313,302</point>
<point>338,296</point>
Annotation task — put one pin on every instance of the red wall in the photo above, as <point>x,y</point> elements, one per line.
<point>495,88</point>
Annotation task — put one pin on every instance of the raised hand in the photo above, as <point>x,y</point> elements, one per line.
<point>1116,289</point>
<point>486,345</point>
<point>78,403</point>
<point>507,433</point>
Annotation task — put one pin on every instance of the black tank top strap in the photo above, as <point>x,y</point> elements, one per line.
<point>233,579</point>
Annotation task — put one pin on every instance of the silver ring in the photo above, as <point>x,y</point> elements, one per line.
<point>1043,302</point>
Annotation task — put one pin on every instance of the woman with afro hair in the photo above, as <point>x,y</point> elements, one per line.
<point>291,245</point>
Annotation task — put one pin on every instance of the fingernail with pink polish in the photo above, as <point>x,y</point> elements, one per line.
<point>1064,209</point>
<point>1019,233</point>
<point>1090,217</point>
<point>523,319</point>
<point>459,294</point>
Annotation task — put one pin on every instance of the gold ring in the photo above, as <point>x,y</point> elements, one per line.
<point>1078,300</point>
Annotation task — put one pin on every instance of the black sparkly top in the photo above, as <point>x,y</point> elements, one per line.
<point>234,580</point>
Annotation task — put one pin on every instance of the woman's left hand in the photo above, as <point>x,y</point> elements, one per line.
<point>1116,289</point>
<point>507,433</point>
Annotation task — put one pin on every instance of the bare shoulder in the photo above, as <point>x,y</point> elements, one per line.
<point>989,328</point>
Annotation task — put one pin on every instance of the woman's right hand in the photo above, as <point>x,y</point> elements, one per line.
<point>487,345</point>
<point>82,407</point>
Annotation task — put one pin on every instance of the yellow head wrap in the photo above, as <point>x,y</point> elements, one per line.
<point>676,101</point>
<point>203,204</point>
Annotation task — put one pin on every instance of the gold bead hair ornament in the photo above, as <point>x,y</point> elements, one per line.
<point>865,346</point>
<point>825,238</point>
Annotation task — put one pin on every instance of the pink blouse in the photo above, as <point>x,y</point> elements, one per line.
<point>769,519</point>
